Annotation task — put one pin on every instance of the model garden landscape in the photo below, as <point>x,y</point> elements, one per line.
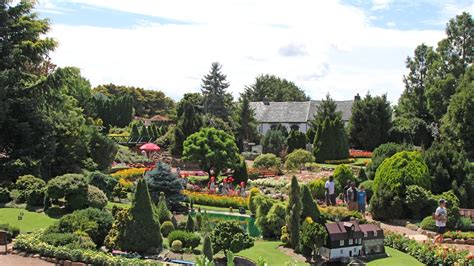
<point>117,175</point>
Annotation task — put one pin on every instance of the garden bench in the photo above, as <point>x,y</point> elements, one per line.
<point>4,240</point>
<point>268,173</point>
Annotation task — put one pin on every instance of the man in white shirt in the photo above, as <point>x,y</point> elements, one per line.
<point>330,193</point>
<point>441,217</point>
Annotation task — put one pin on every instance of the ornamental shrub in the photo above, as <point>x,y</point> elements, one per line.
<point>189,240</point>
<point>104,182</point>
<point>96,198</point>
<point>317,188</point>
<point>176,246</point>
<point>342,174</point>
<point>166,228</point>
<point>296,140</point>
<point>267,161</point>
<point>190,224</point>
<point>68,240</point>
<point>31,190</point>
<point>207,248</point>
<point>72,187</point>
<point>297,159</point>
<point>369,188</point>
<point>240,172</point>
<point>251,203</point>
<point>362,176</point>
<point>391,181</point>
<point>198,221</point>
<point>161,179</point>
<point>229,235</point>
<point>162,210</point>
<point>428,223</point>
<point>310,208</point>
<point>273,141</point>
<point>4,195</point>
<point>419,201</point>
<point>464,224</point>
<point>313,236</point>
<point>331,141</point>
<point>293,213</point>
<point>270,217</point>
<point>383,152</point>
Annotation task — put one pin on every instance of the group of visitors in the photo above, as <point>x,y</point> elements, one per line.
<point>226,187</point>
<point>356,199</point>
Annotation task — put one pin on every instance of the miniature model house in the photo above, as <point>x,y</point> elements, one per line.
<point>344,241</point>
<point>372,241</point>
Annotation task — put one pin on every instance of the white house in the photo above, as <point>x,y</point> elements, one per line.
<point>293,114</point>
<point>344,241</point>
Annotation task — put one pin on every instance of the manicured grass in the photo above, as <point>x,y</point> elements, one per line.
<point>31,220</point>
<point>396,258</point>
<point>217,209</point>
<point>110,204</point>
<point>269,251</point>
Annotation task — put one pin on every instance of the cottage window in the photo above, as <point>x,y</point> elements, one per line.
<point>342,251</point>
<point>375,233</point>
<point>350,241</point>
<point>365,234</point>
<point>360,240</point>
<point>341,243</point>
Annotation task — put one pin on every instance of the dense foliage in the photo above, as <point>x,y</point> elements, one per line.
<point>383,152</point>
<point>240,172</point>
<point>189,121</point>
<point>214,93</point>
<point>293,213</point>
<point>229,236</point>
<point>313,236</point>
<point>72,187</point>
<point>330,142</point>
<point>310,207</point>
<point>370,122</point>
<point>247,124</point>
<point>188,239</point>
<point>213,149</point>
<point>342,174</point>
<point>273,141</point>
<point>31,190</point>
<point>296,140</point>
<point>104,182</point>
<point>393,177</point>
<point>267,161</point>
<point>274,89</point>
<point>161,180</point>
<point>297,159</point>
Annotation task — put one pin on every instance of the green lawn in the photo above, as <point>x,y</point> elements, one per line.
<point>110,204</point>
<point>269,251</point>
<point>397,258</point>
<point>31,220</point>
<point>212,208</point>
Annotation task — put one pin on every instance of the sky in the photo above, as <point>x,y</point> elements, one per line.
<point>338,47</point>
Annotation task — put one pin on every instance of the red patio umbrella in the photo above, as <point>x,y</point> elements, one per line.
<point>149,147</point>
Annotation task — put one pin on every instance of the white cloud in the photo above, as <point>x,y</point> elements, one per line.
<point>381,4</point>
<point>243,36</point>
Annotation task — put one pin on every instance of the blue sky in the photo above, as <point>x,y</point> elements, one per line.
<point>341,47</point>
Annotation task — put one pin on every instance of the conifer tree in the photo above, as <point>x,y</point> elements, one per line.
<point>331,142</point>
<point>142,231</point>
<point>207,248</point>
<point>362,175</point>
<point>162,209</point>
<point>134,132</point>
<point>310,208</point>
<point>293,213</point>
<point>161,179</point>
<point>190,224</point>
<point>214,87</point>
<point>247,130</point>
<point>144,132</point>
<point>296,140</point>
<point>326,109</point>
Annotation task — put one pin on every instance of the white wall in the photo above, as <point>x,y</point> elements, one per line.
<point>264,127</point>
<point>337,253</point>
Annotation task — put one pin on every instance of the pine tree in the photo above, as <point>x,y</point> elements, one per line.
<point>134,132</point>
<point>296,140</point>
<point>162,209</point>
<point>362,176</point>
<point>214,87</point>
<point>189,122</point>
<point>326,109</point>
<point>190,224</point>
<point>331,141</point>
<point>161,179</point>
<point>240,173</point>
<point>207,248</point>
<point>142,231</point>
<point>247,130</point>
<point>293,213</point>
<point>310,208</point>
<point>144,132</point>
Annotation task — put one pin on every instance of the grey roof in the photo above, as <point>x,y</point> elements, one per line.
<point>294,112</point>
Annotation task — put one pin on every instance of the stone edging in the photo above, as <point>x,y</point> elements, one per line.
<point>51,260</point>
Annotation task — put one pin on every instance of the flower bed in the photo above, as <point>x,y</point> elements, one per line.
<point>130,174</point>
<point>269,182</point>
<point>359,154</point>
<point>428,253</point>
<point>216,200</point>
<point>30,243</point>
<point>342,161</point>
<point>459,235</point>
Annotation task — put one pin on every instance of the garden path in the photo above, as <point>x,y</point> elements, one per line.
<point>417,236</point>
<point>17,260</point>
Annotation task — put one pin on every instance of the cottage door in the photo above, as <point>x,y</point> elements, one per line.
<point>350,253</point>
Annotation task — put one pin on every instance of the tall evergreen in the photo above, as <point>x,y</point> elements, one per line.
<point>296,140</point>
<point>207,248</point>
<point>142,231</point>
<point>162,209</point>
<point>310,208</point>
<point>326,109</point>
<point>293,213</point>
<point>189,122</point>
<point>214,87</point>
<point>190,227</point>
<point>331,142</point>
<point>134,132</point>
<point>247,130</point>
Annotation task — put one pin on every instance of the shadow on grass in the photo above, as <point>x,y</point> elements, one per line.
<point>56,212</point>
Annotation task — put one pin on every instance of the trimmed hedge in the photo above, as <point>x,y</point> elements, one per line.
<point>31,243</point>
<point>189,239</point>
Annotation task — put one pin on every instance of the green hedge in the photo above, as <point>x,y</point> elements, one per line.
<point>30,243</point>
<point>428,253</point>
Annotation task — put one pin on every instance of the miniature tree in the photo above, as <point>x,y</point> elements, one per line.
<point>207,248</point>
<point>293,213</point>
<point>310,208</point>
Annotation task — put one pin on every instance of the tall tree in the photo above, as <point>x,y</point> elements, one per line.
<point>214,87</point>
<point>296,140</point>
<point>326,109</point>
<point>293,213</point>
<point>370,122</point>
<point>331,142</point>
<point>275,89</point>
<point>247,129</point>
<point>310,208</point>
<point>189,121</point>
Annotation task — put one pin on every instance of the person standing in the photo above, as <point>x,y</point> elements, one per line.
<point>344,191</point>
<point>362,199</point>
<point>330,193</point>
<point>441,217</point>
<point>352,197</point>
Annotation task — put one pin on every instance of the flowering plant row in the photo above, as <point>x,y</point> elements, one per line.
<point>359,154</point>
<point>269,182</point>
<point>216,200</point>
<point>130,174</point>
<point>428,253</point>
<point>30,243</point>
<point>342,161</point>
<point>459,235</point>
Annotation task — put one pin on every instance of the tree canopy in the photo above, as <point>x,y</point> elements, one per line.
<point>214,93</point>
<point>274,89</point>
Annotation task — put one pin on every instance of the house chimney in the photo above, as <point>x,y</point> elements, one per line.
<point>357,97</point>
<point>265,101</point>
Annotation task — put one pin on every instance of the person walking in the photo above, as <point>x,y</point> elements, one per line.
<point>330,193</point>
<point>352,197</point>
<point>441,217</point>
<point>362,199</point>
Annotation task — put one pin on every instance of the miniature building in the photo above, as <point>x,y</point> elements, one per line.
<point>344,241</point>
<point>349,239</point>
<point>372,241</point>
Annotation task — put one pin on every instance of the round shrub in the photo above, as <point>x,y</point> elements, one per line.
<point>267,161</point>
<point>31,190</point>
<point>369,188</point>
<point>72,187</point>
<point>69,240</point>
<point>4,195</point>
<point>383,152</point>
<point>342,174</point>
<point>297,159</point>
<point>188,239</point>
<point>176,246</point>
<point>428,223</point>
<point>391,181</point>
<point>104,182</point>
<point>166,228</point>
<point>317,188</point>
<point>96,198</point>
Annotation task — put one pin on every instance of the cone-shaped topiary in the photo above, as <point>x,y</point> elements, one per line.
<point>162,210</point>
<point>293,213</point>
<point>142,231</point>
<point>190,224</point>
<point>207,248</point>
<point>310,208</point>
